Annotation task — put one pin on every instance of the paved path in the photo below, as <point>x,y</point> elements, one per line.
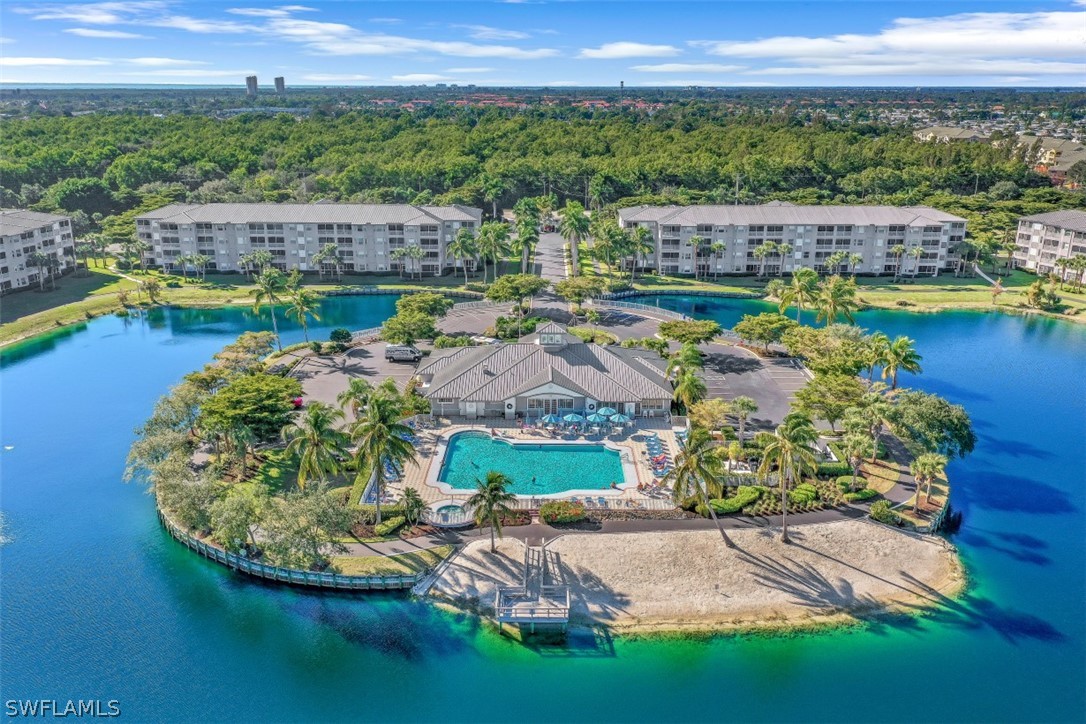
<point>550,261</point>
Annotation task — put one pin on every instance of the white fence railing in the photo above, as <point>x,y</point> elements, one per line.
<point>646,308</point>
<point>366,333</point>
<point>476,305</point>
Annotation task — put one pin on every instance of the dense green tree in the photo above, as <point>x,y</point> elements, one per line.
<point>933,423</point>
<point>766,328</point>
<point>408,327</point>
<point>314,438</point>
<point>828,396</point>
<point>690,331</point>
<point>260,402</point>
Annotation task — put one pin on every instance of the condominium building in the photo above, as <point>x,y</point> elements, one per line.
<point>948,134</point>
<point>1044,238</point>
<point>366,236</point>
<point>250,85</point>
<point>808,234</point>
<point>23,233</point>
<point>280,85</point>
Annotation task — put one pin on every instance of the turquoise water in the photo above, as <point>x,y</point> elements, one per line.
<point>96,601</point>
<point>534,469</point>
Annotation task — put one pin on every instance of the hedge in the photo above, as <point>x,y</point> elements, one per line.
<point>865,494</point>
<point>803,493</point>
<point>845,483</point>
<point>369,512</point>
<point>744,496</point>
<point>561,511</point>
<point>390,526</point>
<point>880,511</point>
<point>833,470</point>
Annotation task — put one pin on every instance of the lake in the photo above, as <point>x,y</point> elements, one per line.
<point>98,601</point>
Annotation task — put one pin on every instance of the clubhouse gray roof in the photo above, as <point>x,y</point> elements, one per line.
<point>790,214</point>
<point>1070,220</point>
<point>500,372</point>
<point>321,213</point>
<point>16,221</point>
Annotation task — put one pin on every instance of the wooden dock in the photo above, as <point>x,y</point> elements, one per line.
<point>540,599</point>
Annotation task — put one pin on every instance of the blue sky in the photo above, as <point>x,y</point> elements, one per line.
<point>529,42</point>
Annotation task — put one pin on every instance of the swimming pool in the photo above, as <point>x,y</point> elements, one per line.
<point>535,469</point>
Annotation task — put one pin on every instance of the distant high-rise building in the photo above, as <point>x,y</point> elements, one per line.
<point>250,85</point>
<point>280,85</point>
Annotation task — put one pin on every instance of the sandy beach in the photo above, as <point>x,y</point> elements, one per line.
<point>833,573</point>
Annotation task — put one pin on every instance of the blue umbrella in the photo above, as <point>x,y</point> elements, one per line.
<point>607,411</point>
<point>551,419</point>
<point>619,419</point>
<point>573,417</point>
<point>596,418</point>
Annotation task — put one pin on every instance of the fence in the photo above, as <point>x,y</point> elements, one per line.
<point>361,291</point>
<point>646,308</point>
<point>682,293</point>
<point>477,305</point>
<point>365,333</point>
<point>290,575</point>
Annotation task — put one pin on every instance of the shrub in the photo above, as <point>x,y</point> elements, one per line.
<point>744,495</point>
<point>845,483</point>
<point>316,346</point>
<point>342,335</point>
<point>833,470</point>
<point>390,526</point>
<point>444,341</point>
<point>880,511</point>
<point>561,511</point>
<point>476,287</point>
<point>865,494</point>
<point>367,514</point>
<point>173,284</point>
<point>802,494</point>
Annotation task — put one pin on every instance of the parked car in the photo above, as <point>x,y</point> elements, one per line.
<point>402,353</point>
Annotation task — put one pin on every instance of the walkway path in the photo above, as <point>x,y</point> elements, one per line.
<point>550,259</point>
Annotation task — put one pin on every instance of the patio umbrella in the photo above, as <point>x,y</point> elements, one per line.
<point>596,418</point>
<point>607,411</point>
<point>551,419</point>
<point>573,417</point>
<point>619,419</point>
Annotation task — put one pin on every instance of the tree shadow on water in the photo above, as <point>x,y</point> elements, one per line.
<point>1020,547</point>
<point>993,490</point>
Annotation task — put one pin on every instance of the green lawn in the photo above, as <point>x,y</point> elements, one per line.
<point>405,564</point>
<point>658,283</point>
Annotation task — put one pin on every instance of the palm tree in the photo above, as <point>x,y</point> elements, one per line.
<point>788,450</point>
<point>899,355</point>
<point>854,260</point>
<point>39,261</point>
<point>716,249</point>
<point>856,447</point>
<point>152,287</point>
<point>897,251</point>
<point>836,296</point>
<point>876,345</point>
<point>491,502</point>
<point>743,407</point>
<point>687,359</point>
<point>784,249</point>
<point>302,305</point>
<point>801,291</point>
<point>354,398</point>
<point>270,284</point>
<point>525,241</point>
<point>689,388</point>
<point>916,253</point>
<point>573,226</point>
<point>317,442</point>
<point>413,506</point>
<point>399,255</point>
<point>493,242</point>
<point>925,468</point>
<point>85,249</point>
<point>760,253</point>
<point>200,261</point>
<point>464,248</point>
<point>641,245</point>
<point>382,438</point>
<point>416,255</point>
<point>697,243</point>
<point>329,254</point>
<point>697,468</point>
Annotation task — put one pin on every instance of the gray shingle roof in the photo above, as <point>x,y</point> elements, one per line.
<point>319,213</point>
<point>791,215</point>
<point>16,221</point>
<point>499,372</point>
<point>1070,219</point>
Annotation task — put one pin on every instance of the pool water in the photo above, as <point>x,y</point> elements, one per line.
<point>534,468</point>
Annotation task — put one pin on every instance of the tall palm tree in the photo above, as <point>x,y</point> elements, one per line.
<point>716,249</point>
<point>152,287</point>
<point>689,388</point>
<point>697,472</point>
<point>800,291</point>
<point>915,253</point>
<point>876,345</point>
<point>270,285</point>
<point>85,249</point>
<point>317,441</point>
<point>354,398</point>
<point>900,355</point>
<point>926,467</point>
<point>399,255</point>
<point>784,249</point>
<point>303,304</point>
<point>854,261</point>
<point>743,407</point>
<point>856,447</point>
<point>897,251</point>
<point>836,296</point>
<point>687,359</point>
<point>464,248</point>
<point>760,253</point>
<point>526,239</point>
<point>573,226</point>
<point>382,438</point>
<point>39,261</point>
<point>641,245</point>
<point>416,255</point>
<point>697,243</point>
<point>788,450</point>
<point>491,501</point>
<point>493,243</point>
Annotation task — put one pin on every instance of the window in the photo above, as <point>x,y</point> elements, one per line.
<point>325,227</point>
<point>344,228</point>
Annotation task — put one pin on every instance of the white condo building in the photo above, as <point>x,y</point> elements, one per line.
<point>1044,238</point>
<point>23,233</point>
<point>365,235</point>
<point>809,234</point>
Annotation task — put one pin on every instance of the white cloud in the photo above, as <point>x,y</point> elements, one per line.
<point>105,13</point>
<point>421,78</point>
<point>468,70</point>
<point>386,21</point>
<point>629,50</point>
<point>13,62</point>
<point>984,44</point>
<point>112,34</point>
<point>278,12</point>
<point>485,32</point>
<point>160,62</point>
<point>200,25</point>
<point>335,77</point>
<point>688,68</point>
<point>191,73</point>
